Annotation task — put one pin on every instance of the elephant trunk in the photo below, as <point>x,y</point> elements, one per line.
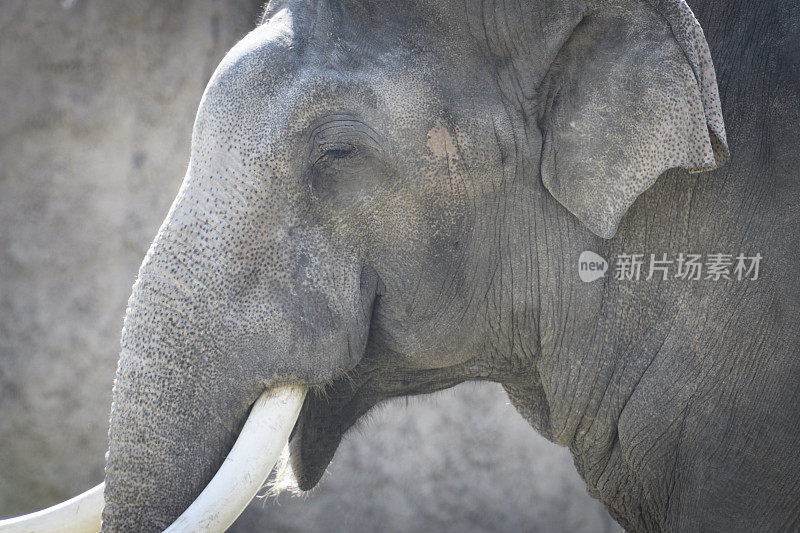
<point>174,417</point>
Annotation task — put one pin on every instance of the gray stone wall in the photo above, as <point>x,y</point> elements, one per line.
<point>97,100</point>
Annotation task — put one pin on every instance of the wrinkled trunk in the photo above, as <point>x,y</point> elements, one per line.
<point>208,329</point>
<point>174,416</point>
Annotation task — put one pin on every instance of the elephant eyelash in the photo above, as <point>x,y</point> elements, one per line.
<point>335,152</point>
<point>339,153</point>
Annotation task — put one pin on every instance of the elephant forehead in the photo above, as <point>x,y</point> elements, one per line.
<point>250,74</point>
<point>287,70</point>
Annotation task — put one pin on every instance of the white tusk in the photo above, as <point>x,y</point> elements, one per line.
<point>237,481</point>
<point>81,514</point>
<point>248,464</point>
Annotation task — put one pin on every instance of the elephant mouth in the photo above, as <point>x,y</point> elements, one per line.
<point>331,409</point>
<point>309,461</point>
<point>326,416</point>
<point>329,412</point>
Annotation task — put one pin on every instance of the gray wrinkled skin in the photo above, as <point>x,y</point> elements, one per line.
<point>388,198</point>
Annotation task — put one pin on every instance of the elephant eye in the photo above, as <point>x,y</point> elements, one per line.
<point>346,160</point>
<point>335,152</point>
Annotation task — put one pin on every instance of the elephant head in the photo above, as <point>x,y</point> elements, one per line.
<point>368,212</point>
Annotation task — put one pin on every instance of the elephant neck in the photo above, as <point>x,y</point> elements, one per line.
<point>582,349</point>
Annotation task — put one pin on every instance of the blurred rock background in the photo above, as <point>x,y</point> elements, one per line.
<point>97,100</point>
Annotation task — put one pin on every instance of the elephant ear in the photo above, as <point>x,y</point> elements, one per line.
<point>631,94</point>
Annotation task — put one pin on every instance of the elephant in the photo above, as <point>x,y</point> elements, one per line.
<point>389,198</point>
